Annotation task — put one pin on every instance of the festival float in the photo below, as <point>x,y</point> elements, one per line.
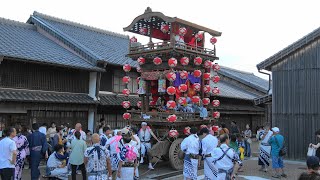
<point>175,84</point>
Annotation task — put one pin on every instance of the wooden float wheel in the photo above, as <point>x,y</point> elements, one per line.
<point>174,153</point>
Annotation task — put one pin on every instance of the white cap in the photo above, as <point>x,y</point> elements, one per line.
<point>275,129</point>
<point>144,124</point>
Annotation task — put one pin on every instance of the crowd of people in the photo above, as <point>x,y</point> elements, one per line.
<point>116,154</point>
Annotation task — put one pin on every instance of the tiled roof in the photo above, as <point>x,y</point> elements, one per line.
<point>23,41</point>
<point>44,96</point>
<point>231,91</point>
<point>246,78</point>
<point>107,46</point>
<point>116,100</point>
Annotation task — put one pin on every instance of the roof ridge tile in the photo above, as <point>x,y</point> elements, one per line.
<point>16,23</point>
<point>79,25</point>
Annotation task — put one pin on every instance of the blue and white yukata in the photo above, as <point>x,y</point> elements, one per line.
<point>53,166</point>
<point>191,147</point>
<point>208,144</point>
<point>97,162</point>
<point>113,146</point>
<point>223,159</point>
<point>265,149</point>
<point>127,169</point>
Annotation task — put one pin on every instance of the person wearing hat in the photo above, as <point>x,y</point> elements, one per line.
<point>276,142</point>
<point>127,156</point>
<point>208,143</point>
<point>145,134</point>
<point>313,169</point>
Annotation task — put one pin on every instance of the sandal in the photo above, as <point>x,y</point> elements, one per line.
<point>284,175</point>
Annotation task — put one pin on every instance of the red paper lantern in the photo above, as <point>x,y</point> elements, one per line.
<point>152,103</point>
<point>199,36</point>
<point>216,67</point>
<point>196,86</point>
<point>215,103</point>
<point>216,114</point>
<point>182,100</point>
<point>206,88</point>
<point>164,28</point>
<point>126,67</point>
<point>133,39</point>
<point>197,61</point>
<point>207,64</point>
<point>171,90</point>
<point>206,76</point>
<point>197,73</point>
<point>173,133</point>
<point>172,62</point>
<point>184,61</point>
<point>143,31</point>
<point>126,79</point>
<point>141,60</point>
<point>171,104</point>
<point>126,116</point>
<point>139,70</point>
<point>157,61</point>
<point>126,104</point>
<point>172,118</point>
<point>182,31</point>
<point>126,92</point>
<point>171,76</point>
<point>183,88</point>
<point>216,79</point>
<point>206,101</point>
<point>186,131</point>
<point>196,99</point>
<point>139,104</point>
<point>213,40</point>
<point>183,74</point>
<point>215,128</point>
<point>215,91</point>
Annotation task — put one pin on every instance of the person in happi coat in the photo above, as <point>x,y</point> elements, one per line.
<point>137,144</point>
<point>57,164</point>
<point>38,147</point>
<point>105,136</point>
<point>128,157</point>
<point>97,160</point>
<point>265,148</point>
<point>208,143</point>
<point>22,151</point>
<point>191,147</point>
<point>113,147</point>
<point>225,159</point>
<point>145,134</point>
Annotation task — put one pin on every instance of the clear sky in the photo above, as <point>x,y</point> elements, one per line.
<point>252,30</point>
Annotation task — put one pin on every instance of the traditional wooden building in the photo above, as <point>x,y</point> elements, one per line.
<point>296,92</point>
<point>43,80</point>
<point>56,70</point>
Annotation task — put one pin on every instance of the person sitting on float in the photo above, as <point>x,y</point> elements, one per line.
<point>188,106</point>
<point>199,108</point>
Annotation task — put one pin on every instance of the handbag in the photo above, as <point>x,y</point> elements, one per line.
<point>283,150</point>
<point>311,151</point>
<point>249,140</point>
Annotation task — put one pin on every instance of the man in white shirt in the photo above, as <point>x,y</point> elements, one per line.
<point>226,161</point>
<point>8,154</point>
<point>208,143</point>
<point>191,147</point>
<point>78,127</point>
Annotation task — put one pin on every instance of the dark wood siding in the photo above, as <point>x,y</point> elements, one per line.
<point>296,98</point>
<point>14,74</point>
<point>106,81</point>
